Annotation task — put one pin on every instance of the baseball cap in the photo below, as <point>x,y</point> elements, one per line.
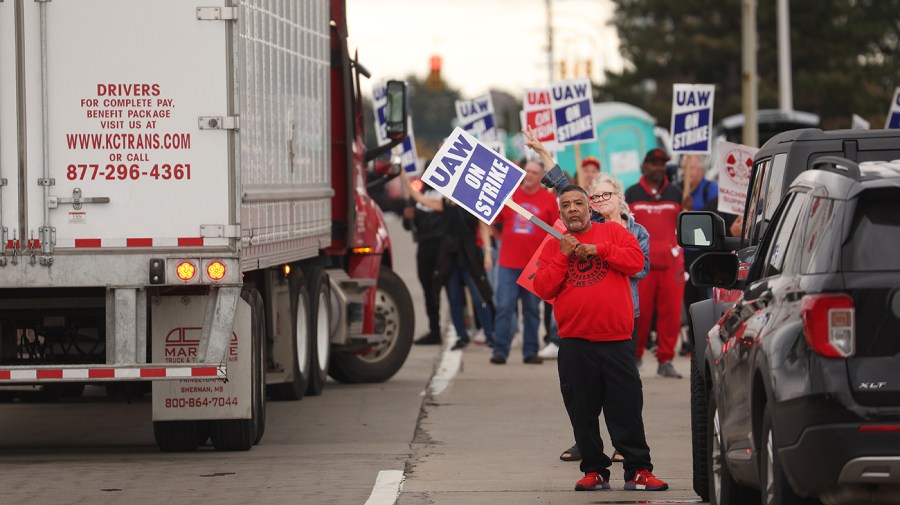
<point>591,159</point>
<point>656,155</point>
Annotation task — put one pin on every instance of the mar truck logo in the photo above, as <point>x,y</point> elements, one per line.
<point>182,343</point>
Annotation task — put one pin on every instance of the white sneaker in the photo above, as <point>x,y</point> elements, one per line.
<point>479,337</point>
<point>550,351</point>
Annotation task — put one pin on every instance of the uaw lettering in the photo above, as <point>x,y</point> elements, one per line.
<point>692,117</point>
<point>571,104</point>
<point>893,119</point>
<point>473,176</point>
<point>476,116</point>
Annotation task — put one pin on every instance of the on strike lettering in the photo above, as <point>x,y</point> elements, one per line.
<point>688,98</point>
<point>491,188</point>
<point>455,157</point>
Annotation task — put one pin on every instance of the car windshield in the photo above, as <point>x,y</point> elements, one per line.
<point>875,230</point>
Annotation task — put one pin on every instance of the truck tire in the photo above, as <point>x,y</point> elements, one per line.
<point>319,330</point>
<point>300,357</point>
<point>394,317</point>
<point>723,489</point>
<point>699,427</point>
<point>242,434</point>
<point>180,436</point>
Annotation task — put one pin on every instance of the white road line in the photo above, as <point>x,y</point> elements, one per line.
<point>387,488</point>
<point>450,363</point>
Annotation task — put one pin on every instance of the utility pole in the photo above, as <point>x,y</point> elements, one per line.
<point>785,91</point>
<point>748,59</point>
<point>550,66</point>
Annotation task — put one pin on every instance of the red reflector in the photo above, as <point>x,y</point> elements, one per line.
<point>87,242</point>
<point>139,242</point>
<point>204,372</point>
<point>190,242</point>
<point>101,373</point>
<point>153,372</point>
<point>879,427</point>
<point>49,374</point>
<point>4,374</point>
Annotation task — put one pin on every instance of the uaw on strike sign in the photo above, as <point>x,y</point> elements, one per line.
<point>537,116</point>
<point>692,106</point>
<point>476,116</point>
<point>472,175</point>
<point>572,115</point>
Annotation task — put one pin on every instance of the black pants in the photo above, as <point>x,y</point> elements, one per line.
<point>597,377</point>
<point>426,263</point>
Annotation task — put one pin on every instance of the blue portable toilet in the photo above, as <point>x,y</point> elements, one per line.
<point>624,135</point>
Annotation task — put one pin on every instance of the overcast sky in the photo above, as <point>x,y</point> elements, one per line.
<point>485,44</point>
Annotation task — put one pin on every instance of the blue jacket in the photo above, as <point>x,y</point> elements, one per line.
<point>555,178</point>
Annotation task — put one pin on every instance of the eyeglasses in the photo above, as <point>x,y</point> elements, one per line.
<point>606,195</point>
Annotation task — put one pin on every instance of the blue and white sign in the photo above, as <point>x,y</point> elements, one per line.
<point>472,175</point>
<point>571,104</point>
<point>858,123</point>
<point>893,119</point>
<point>692,114</point>
<point>476,116</point>
<point>379,104</point>
<point>409,159</point>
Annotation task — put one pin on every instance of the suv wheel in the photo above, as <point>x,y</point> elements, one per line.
<point>699,428</point>
<point>775,487</point>
<point>723,490</point>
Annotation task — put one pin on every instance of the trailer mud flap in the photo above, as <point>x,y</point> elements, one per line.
<point>176,332</point>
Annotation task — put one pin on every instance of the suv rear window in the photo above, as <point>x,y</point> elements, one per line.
<point>875,235</point>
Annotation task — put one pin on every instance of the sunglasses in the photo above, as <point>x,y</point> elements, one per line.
<point>601,197</point>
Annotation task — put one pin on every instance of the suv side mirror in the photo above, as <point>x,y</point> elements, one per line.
<point>715,270</point>
<point>395,111</point>
<point>701,230</point>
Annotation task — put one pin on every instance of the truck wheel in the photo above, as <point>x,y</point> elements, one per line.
<point>723,488</point>
<point>319,330</point>
<point>395,319</point>
<point>242,434</point>
<point>699,427</point>
<point>300,358</point>
<point>180,436</point>
<point>775,487</point>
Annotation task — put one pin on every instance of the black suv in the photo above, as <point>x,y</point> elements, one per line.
<point>800,377</point>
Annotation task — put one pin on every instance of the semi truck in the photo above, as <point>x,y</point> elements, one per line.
<point>183,203</point>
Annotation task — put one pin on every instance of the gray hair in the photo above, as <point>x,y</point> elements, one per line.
<point>618,189</point>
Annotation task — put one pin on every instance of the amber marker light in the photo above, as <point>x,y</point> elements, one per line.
<point>216,270</point>
<point>287,270</point>
<point>185,271</point>
<point>362,250</point>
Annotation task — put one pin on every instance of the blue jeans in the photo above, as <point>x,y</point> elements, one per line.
<point>550,325</point>
<point>508,294</point>
<point>457,298</point>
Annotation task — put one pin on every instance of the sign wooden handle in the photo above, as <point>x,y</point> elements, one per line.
<point>522,211</point>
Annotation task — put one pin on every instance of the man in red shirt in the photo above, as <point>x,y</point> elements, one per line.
<point>588,274</point>
<point>518,242</point>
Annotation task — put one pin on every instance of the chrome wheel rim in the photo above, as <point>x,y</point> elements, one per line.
<point>323,340</point>
<point>302,344</point>
<point>387,323</point>
<point>770,469</point>
<point>716,457</point>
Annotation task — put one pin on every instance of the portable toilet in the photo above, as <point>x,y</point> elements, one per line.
<point>624,135</point>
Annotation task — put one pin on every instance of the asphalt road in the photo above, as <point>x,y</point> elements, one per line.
<point>449,428</point>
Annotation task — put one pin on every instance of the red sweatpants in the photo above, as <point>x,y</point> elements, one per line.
<point>661,293</point>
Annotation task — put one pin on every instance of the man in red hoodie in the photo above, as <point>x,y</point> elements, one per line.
<point>588,274</point>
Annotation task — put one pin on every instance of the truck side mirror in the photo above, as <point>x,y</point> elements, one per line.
<point>396,110</point>
<point>701,230</point>
<point>715,270</point>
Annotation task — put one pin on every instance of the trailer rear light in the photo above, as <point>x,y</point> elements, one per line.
<point>216,270</point>
<point>879,427</point>
<point>829,323</point>
<point>287,270</point>
<point>363,250</point>
<point>186,270</point>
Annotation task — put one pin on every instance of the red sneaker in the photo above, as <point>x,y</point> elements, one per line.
<point>644,480</point>
<point>592,481</point>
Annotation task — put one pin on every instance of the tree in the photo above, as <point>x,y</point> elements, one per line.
<point>844,55</point>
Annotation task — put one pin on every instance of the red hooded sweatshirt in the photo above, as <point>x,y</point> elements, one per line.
<point>593,297</point>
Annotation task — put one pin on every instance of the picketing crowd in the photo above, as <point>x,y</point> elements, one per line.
<point>614,282</point>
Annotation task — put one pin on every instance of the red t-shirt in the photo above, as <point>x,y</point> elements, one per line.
<point>593,296</point>
<point>521,238</point>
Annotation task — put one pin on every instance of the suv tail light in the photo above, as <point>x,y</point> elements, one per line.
<point>829,323</point>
